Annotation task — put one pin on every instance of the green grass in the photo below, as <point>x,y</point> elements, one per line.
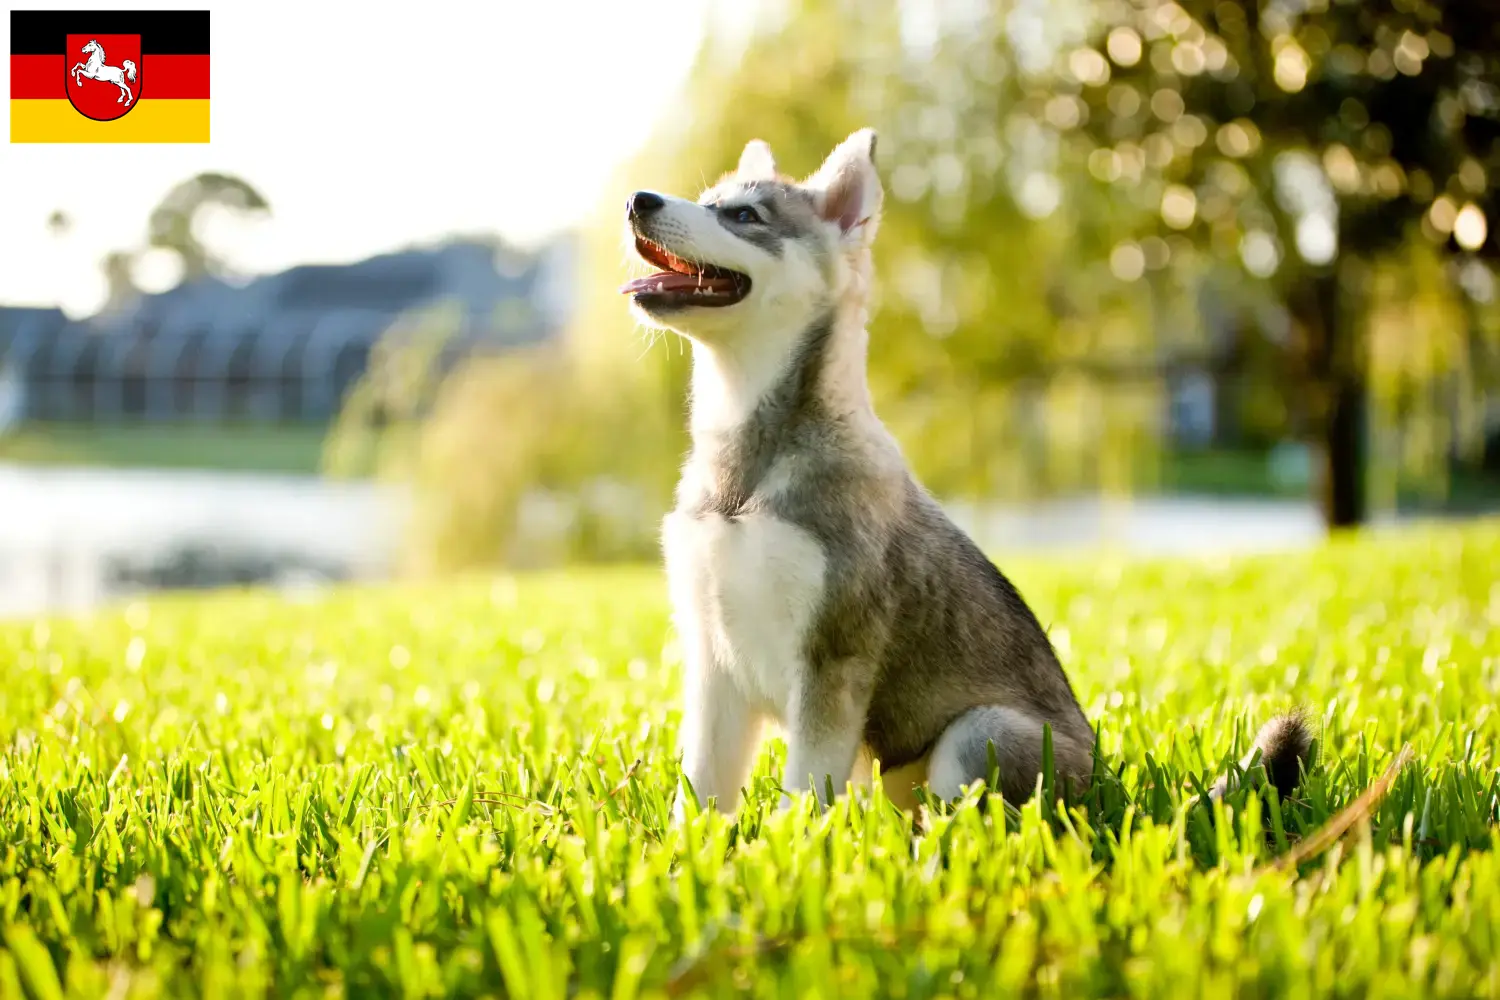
<point>463,790</point>
<point>224,447</point>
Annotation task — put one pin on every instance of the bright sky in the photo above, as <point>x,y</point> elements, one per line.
<point>366,127</point>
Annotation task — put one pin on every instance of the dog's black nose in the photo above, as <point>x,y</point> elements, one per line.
<point>643,203</point>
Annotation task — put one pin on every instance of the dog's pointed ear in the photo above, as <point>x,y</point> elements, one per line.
<point>846,188</point>
<point>756,162</point>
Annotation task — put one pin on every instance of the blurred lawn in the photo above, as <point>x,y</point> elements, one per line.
<point>1221,472</point>
<point>462,789</point>
<point>225,447</point>
<point>298,450</point>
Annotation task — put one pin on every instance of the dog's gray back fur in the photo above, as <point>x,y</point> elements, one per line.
<point>907,596</point>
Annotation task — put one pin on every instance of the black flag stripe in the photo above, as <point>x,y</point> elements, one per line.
<point>163,32</point>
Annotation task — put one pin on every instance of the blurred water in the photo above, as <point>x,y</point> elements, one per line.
<point>1162,525</point>
<point>61,527</point>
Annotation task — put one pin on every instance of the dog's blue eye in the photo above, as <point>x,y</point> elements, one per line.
<point>745,214</point>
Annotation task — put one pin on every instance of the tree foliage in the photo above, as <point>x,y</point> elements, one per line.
<point>1309,142</point>
<point>173,223</point>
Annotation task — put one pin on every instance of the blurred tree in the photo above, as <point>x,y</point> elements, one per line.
<point>58,223</point>
<point>172,223</point>
<point>1309,141</point>
<point>119,280</point>
<point>1038,372</point>
<point>171,226</point>
<point>506,457</point>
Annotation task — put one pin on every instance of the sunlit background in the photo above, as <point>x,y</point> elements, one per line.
<point>1198,277</point>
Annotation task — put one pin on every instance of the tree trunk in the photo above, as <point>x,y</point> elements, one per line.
<point>1337,408</point>
<point>1342,462</point>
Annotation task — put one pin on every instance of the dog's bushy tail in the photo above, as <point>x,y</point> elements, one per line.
<point>1285,746</point>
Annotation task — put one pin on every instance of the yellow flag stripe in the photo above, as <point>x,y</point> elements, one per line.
<point>151,121</point>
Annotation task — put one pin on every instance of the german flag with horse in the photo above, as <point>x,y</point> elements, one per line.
<point>109,76</point>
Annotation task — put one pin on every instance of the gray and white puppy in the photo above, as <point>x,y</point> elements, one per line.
<point>813,581</point>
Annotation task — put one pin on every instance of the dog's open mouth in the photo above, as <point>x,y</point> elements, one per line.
<point>681,282</point>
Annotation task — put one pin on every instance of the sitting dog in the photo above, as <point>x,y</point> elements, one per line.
<point>814,582</point>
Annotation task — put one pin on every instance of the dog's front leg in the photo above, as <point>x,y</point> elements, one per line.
<point>825,726</point>
<point>718,734</point>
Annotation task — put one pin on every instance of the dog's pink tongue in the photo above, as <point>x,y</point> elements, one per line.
<point>671,281</point>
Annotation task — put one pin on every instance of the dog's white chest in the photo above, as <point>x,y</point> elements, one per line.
<point>746,589</point>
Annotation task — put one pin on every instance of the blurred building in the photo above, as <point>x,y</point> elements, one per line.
<point>281,348</point>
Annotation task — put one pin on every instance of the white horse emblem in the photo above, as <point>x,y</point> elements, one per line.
<point>95,69</point>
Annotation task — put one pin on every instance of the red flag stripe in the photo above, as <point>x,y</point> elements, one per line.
<point>163,77</point>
